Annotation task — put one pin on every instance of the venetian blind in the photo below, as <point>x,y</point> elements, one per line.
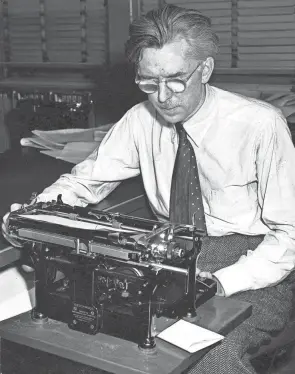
<point>220,13</point>
<point>23,31</point>
<point>1,36</point>
<point>63,31</point>
<point>77,32</point>
<point>253,33</point>
<point>266,34</point>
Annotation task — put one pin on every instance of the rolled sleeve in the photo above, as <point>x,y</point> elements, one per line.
<point>274,259</point>
<point>116,159</point>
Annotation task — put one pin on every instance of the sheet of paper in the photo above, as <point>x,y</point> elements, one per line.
<point>189,336</point>
<point>65,135</point>
<point>36,142</point>
<point>72,135</point>
<point>74,152</point>
<point>81,149</point>
<point>58,154</point>
<point>16,297</point>
<point>71,223</point>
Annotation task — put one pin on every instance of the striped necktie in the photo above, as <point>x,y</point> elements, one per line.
<point>186,205</point>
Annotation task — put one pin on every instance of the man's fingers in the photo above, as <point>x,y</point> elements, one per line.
<point>205,274</point>
<point>5,234</point>
<point>8,238</point>
<point>3,228</point>
<point>27,268</point>
<point>15,207</point>
<point>5,218</point>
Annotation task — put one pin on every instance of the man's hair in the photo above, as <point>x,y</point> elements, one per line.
<point>170,23</point>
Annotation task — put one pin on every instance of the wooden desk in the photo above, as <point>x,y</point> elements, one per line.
<point>54,348</point>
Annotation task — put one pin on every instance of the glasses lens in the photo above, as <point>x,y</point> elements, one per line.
<point>176,85</point>
<point>148,87</point>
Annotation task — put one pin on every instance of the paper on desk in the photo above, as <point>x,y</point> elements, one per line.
<point>16,297</point>
<point>189,336</point>
<point>73,135</point>
<point>70,145</point>
<point>65,135</point>
<point>74,152</point>
<point>39,143</point>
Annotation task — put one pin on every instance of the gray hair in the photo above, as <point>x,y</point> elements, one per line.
<point>162,26</point>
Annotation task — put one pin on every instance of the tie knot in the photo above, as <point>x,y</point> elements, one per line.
<point>179,126</point>
<point>180,130</point>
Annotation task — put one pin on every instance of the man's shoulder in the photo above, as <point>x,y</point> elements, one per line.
<point>239,104</point>
<point>144,108</point>
<point>138,120</point>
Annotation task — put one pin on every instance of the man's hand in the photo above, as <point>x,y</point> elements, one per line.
<point>207,274</point>
<point>4,228</point>
<point>11,240</point>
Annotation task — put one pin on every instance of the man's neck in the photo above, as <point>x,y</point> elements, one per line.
<point>201,102</point>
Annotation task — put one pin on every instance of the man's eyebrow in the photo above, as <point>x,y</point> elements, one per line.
<point>175,75</point>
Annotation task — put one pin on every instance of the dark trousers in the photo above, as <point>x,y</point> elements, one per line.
<point>271,309</point>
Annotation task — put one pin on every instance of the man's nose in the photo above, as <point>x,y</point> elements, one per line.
<point>163,92</point>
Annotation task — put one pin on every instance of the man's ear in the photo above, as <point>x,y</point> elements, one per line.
<point>208,67</point>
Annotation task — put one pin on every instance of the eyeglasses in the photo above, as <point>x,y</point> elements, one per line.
<point>176,85</point>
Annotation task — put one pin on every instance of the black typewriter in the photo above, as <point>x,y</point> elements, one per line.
<point>108,272</point>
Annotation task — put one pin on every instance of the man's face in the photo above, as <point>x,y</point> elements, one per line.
<point>171,62</point>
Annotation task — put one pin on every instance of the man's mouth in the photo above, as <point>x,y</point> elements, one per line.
<point>168,108</point>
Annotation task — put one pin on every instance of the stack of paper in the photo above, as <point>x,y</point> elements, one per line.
<point>71,145</point>
<point>189,336</point>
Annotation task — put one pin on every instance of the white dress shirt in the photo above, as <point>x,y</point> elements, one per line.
<point>246,163</point>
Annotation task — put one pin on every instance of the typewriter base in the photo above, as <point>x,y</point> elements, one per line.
<point>123,326</point>
<point>55,348</point>
<point>116,319</point>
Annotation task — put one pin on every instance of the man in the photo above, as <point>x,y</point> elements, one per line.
<point>245,166</point>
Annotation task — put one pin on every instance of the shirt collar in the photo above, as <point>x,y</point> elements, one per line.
<point>198,125</point>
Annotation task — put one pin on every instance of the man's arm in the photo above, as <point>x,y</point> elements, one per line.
<point>274,258</point>
<point>93,179</point>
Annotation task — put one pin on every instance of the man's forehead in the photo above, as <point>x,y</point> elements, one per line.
<point>168,60</point>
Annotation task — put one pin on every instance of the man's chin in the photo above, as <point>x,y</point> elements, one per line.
<point>172,116</point>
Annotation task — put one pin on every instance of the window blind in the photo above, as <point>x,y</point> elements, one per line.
<point>76,33</point>
<point>220,13</point>
<point>266,34</point>
<point>23,35</point>
<point>96,31</point>
<point>63,33</point>
<point>1,36</point>
<point>254,34</point>
<point>147,5</point>
<point>59,31</point>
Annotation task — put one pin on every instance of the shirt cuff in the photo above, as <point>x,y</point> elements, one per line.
<point>233,279</point>
<point>220,289</point>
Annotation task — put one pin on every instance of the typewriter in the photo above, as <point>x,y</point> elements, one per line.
<point>108,272</point>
